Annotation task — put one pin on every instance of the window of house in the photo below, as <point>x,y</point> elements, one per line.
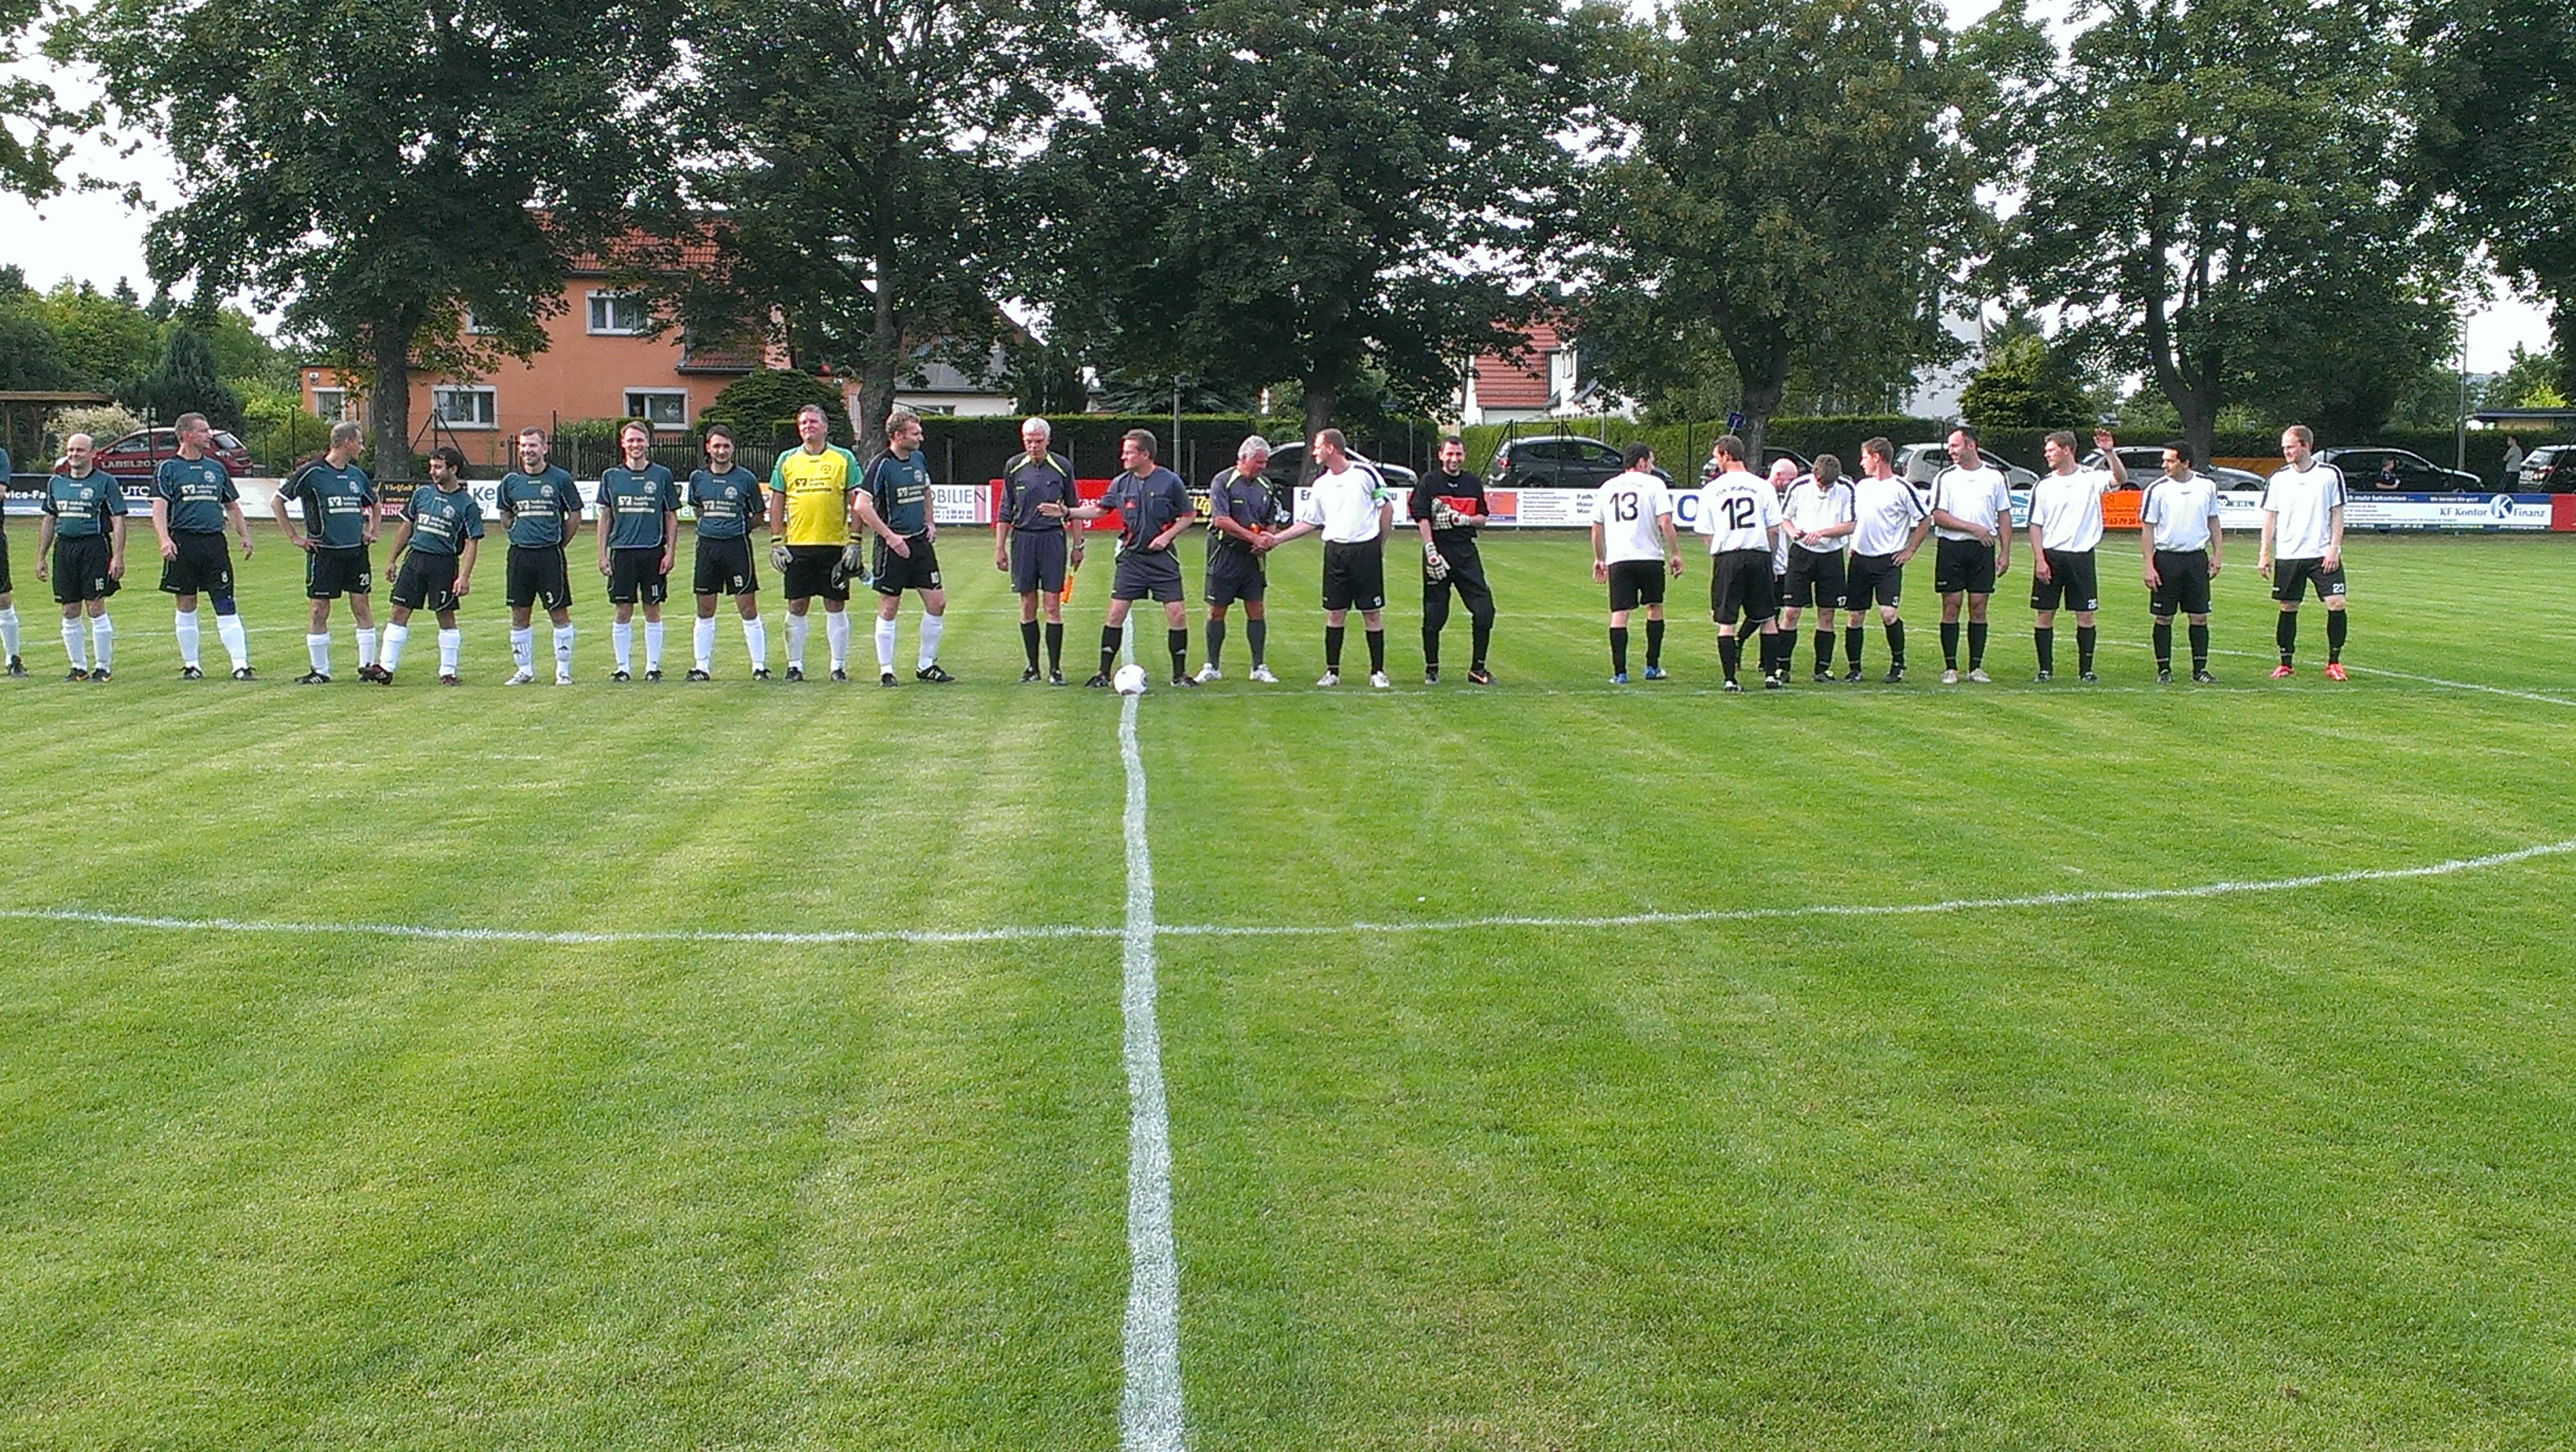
<point>465,408</point>
<point>616,312</point>
<point>331,403</point>
<point>658,407</point>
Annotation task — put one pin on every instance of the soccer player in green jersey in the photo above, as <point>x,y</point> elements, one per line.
<point>442,526</point>
<point>726,498</point>
<point>193,499</point>
<point>894,502</point>
<point>82,540</point>
<point>339,505</point>
<point>639,527</point>
<point>541,507</point>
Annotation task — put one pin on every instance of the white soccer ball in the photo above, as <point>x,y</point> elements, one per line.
<point>1130,679</point>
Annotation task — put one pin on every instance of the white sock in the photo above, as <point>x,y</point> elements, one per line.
<point>390,657</point>
<point>102,641</point>
<point>563,650</point>
<point>836,629</point>
<point>9,631</point>
<point>228,628</point>
<point>449,643</point>
<point>187,623</point>
<point>702,643</point>
<point>366,644</point>
<point>74,643</point>
<point>523,647</point>
<point>318,647</point>
<point>652,645</point>
<point>931,626</point>
<point>798,627</point>
<point>621,643</point>
<point>755,638</point>
<point>885,645</point>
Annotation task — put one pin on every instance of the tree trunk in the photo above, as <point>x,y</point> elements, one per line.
<point>1320,398</point>
<point>389,400</point>
<point>885,342</point>
<point>1763,369</point>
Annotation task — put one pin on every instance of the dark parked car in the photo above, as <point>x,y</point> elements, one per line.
<point>1557,461</point>
<point>137,456</point>
<point>2146,461</point>
<point>2396,469</point>
<point>2549,469</point>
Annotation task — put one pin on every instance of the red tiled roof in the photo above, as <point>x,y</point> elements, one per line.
<point>1501,383</point>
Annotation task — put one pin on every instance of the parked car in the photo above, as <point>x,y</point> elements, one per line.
<point>1557,461</point>
<point>2549,469</point>
<point>2396,469</point>
<point>1287,470</point>
<point>1923,463</point>
<point>1770,455</point>
<point>2146,461</point>
<point>137,456</point>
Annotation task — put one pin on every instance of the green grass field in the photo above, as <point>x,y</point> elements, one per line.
<point>1687,1156</point>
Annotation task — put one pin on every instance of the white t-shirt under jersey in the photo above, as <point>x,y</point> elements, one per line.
<point>1887,510</point>
<point>1979,494</point>
<point>2302,503</point>
<point>2179,510</point>
<point>1626,506</point>
<point>2068,509</point>
<point>1738,512</point>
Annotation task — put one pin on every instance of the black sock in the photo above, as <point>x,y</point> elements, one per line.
<point>1333,648</point>
<point>1377,651</point>
<point>1484,636</point>
<point>1851,646</point>
<point>1730,654</point>
<point>1654,644</point>
<point>2164,643</point>
<point>1825,649</point>
<point>2085,635</point>
<point>1430,647</point>
<point>1618,650</point>
<point>1109,637</point>
<point>1055,645</point>
<point>2285,634</point>
<point>1950,645</point>
<point>2046,638</point>
<point>2200,647</point>
<point>1976,645</point>
<point>1177,639</point>
<point>1216,640</point>
<point>1896,644</point>
<point>2336,625</point>
<point>1029,641</point>
<point>1256,633</point>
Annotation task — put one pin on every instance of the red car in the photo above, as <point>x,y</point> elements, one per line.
<point>137,456</point>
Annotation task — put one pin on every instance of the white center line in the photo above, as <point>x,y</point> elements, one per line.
<point>1149,1410</point>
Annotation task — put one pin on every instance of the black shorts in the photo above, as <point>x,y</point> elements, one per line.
<point>202,566</point>
<point>330,574</point>
<point>5,584</point>
<point>1963,566</point>
<point>1037,561</point>
<point>2183,583</point>
<point>2290,580</point>
<point>1142,574</point>
<point>809,573</point>
<point>1872,579</point>
<point>1466,576</point>
<point>1813,579</point>
<point>1355,575</point>
<point>536,576</point>
<point>636,577</point>
<point>2070,580</point>
<point>1235,575</point>
<point>425,582</point>
<point>724,567</point>
<point>896,573</point>
<point>1636,582</point>
<point>1739,583</point>
<point>80,569</point>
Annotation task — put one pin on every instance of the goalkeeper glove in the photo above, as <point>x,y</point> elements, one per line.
<point>1432,564</point>
<point>854,560</point>
<point>779,558</point>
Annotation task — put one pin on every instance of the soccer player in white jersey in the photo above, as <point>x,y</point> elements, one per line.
<point>1816,520</point>
<point>1740,514</point>
<point>2303,541</point>
<point>1972,534</point>
<point>2178,536</point>
<point>1633,549</point>
<point>1890,523</point>
<point>2065,528</point>
<point>1350,506</point>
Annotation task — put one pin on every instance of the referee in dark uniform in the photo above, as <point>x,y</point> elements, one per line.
<point>1153,507</point>
<point>1029,544</point>
<point>1447,506</point>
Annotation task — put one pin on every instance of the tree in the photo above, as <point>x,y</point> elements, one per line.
<point>2222,213</point>
<point>2494,101</point>
<point>2530,380</point>
<point>32,120</point>
<point>761,406</point>
<point>425,161</point>
<point>188,381</point>
<point>2025,384</point>
<point>861,158</point>
<point>1790,190</point>
<point>109,342</point>
<point>1293,190</point>
<point>30,355</point>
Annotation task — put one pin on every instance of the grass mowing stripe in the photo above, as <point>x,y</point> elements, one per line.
<point>1149,1409</point>
<point>564,938</point>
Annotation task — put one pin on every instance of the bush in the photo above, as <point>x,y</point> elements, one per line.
<point>105,423</point>
<point>277,429</point>
<point>761,407</point>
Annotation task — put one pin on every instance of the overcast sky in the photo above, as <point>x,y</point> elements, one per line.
<point>95,238</point>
